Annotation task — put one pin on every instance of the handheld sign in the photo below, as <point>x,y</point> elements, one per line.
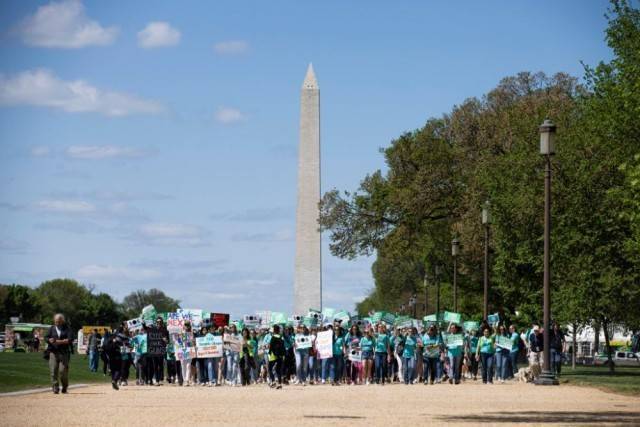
<point>493,319</point>
<point>454,340</point>
<point>209,346</point>
<point>503,342</point>
<point>303,341</point>
<point>134,325</point>
<point>324,344</point>
<point>220,319</point>
<point>278,318</point>
<point>471,326</point>
<point>156,346</point>
<point>233,342</point>
<point>183,347</point>
<point>452,317</point>
<point>355,355</point>
<point>148,312</point>
<point>175,322</point>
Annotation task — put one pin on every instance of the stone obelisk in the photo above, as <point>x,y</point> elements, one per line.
<point>308,274</point>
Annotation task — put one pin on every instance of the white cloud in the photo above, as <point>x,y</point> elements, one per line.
<point>276,236</point>
<point>64,25</point>
<point>98,152</point>
<point>41,88</point>
<point>168,234</point>
<point>107,273</point>
<point>66,206</point>
<point>228,115</point>
<point>231,47</point>
<point>40,151</point>
<point>158,34</point>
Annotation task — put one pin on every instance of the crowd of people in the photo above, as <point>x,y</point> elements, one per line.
<point>377,354</point>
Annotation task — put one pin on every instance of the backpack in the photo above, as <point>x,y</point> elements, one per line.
<point>276,346</point>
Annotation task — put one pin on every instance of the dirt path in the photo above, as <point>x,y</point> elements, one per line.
<point>391,405</point>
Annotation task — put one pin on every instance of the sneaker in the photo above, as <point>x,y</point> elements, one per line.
<point>450,380</point>
<point>56,389</point>
<point>64,390</point>
<point>114,384</point>
<point>279,386</point>
<point>125,383</point>
<point>210,384</point>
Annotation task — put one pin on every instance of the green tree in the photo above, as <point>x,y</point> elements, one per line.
<point>133,303</point>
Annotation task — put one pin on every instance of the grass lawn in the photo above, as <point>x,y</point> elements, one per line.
<point>625,380</point>
<point>21,371</point>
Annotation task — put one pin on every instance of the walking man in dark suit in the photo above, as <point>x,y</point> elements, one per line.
<point>59,347</point>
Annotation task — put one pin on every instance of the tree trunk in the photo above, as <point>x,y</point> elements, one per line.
<point>596,343</point>
<point>575,345</point>
<point>607,345</point>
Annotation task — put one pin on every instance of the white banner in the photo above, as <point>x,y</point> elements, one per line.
<point>303,341</point>
<point>324,344</point>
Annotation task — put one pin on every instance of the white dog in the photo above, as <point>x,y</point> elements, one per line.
<point>525,375</point>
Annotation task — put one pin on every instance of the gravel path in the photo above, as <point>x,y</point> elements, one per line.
<point>392,405</point>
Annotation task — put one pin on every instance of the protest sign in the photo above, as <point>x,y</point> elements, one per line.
<point>355,355</point>
<point>342,316</point>
<point>377,316</point>
<point>432,350</point>
<point>503,342</point>
<point>388,318</point>
<point>493,319</point>
<point>183,347</point>
<point>220,319</point>
<point>156,346</point>
<point>303,341</point>
<point>209,346</point>
<point>310,322</point>
<point>454,340</point>
<point>278,318</point>
<point>328,314</point>
<point>148,312</point>
<point>175,322</point>
<point>134,325</point>
<point>251,321</point>
<point>324,344</point>
<point>233,342</point>
<point>196,316</point>
<point>452,317</point>
<point>471,326</point>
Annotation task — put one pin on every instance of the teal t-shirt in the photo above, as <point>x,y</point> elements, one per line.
<point>473,343</point>
<point>515,340</point>
<point>366,344</point>
<point>431,346</point>
<point>410,344</point>
<point>382,342</point>
<point>288,342</point>
<point>337,346</point>
<point>486,345</point>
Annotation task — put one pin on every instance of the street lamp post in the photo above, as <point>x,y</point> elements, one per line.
<point>455,245</point>
<point>486,220</point>
<point>547,149</point>
<point>412,304</point>
<point>437,280</point>
<point>426,283</point>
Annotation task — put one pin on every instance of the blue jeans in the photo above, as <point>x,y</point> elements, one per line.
<point>408,368</point>
<point>325,368</point>
<point>454,368</point>
<point>431,368</point>
<point>513,356</point>
<point>498,363</point>
<point>93,360</point>
<point>556,361</point>
<point>313,368</point>
<point>212,369</point>
<point>336,368</point>
<point>381,366</point>
<point>302,364</point>
<point>233,358</point>
<point>487,367</point>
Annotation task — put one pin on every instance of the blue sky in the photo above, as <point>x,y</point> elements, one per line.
<point>153,144</point>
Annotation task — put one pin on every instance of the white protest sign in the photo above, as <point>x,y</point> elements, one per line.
<point>503,342</point>
<point>233,342</point>
<point>175,322</point>
<point>183,347</point>
<point>303,341</point>
<point>134,324</point>
<point>209,346</point>
<point>355,355</point>
<point>324,344</point>
<point>195,314</point>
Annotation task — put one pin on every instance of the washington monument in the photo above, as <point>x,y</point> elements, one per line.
<point>308,275</point>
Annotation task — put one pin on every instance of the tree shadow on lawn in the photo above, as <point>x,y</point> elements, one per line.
<point>606,417</point>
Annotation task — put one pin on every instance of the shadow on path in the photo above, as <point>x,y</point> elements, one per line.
<point>608,417</point>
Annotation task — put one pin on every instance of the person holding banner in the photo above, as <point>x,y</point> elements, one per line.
<point>382,354</point>
<point>485,352</point>
<point>352,342</point>
<point>233,342</point>
<point>337,362</point>
<point>502,353</point>
<point>276,357</point>
<point>515,349</point>
<point>432,347</point>
<point>246,357</point>
<point>409,355</point>
<point>302,345</point>
<point>366,345</point>
<point>187,342</point>
<point>455,345</point>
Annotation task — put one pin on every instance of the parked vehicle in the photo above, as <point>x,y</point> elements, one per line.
<point>619,358</point>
